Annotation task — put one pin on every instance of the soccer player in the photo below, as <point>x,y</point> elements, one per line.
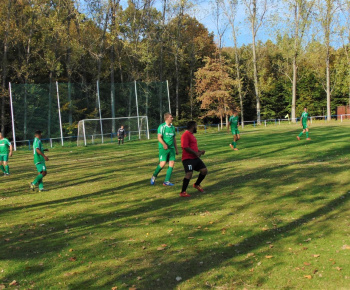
<point>191,160</point>
<point>234,123</point>
<point>5,152</point>
<point>121,134</point>
<point>167,149</point>
<point>304,123</point>
<point>39,161</point>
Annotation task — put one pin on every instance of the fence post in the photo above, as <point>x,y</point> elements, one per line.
<point>92,139</point>
<point>265,123</point>
<point>341,118</point>
<point>254,123</point>
<point>279,121</point>
<point>51,142</point>
<point>59,112</point>
<point>205,128</point>
<point>13,120</point>
<point>111,138</point>
<point>29,144</point>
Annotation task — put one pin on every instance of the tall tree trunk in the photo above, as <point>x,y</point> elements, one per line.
<point>255,67</point>
<point>256,81</point>
<point>240,94</point>
<point>177,84</point>
<point>50,107</point>
<point>295,68</point>
<point>4,67</point>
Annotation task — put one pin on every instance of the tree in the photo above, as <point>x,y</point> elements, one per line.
<point>213,88</point>
<point>256,10</point>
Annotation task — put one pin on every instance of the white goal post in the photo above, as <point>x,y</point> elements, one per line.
<point>94,131</point>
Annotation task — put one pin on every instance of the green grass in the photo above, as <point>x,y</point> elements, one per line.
<point>274,215</point>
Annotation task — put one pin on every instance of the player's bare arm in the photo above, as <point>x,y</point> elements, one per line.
<point>175,145</point>
<point>160,139</point>
<point>189,150</point>
<point>42,154</point>
<point>11,149</point>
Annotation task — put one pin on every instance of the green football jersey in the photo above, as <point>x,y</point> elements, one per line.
<point>4,146</point>
<point>38,144</point>
<point>234,122</point>
<point>304,117</point>
<point>168,134</point>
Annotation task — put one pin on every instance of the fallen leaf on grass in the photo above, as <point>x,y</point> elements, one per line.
<point>211,223</point>
<point>71,250</point>
<point>315,271</point>
<point>307,264</point>
<point>164,245</point>
<point>268,257</point>
<point>139,278</point>
<point>265,229</point>
<point>190,238</point>
<point>346,247</point>
<point>308,276</point>
<point>338,268</point>
<point>72,259</point>
<point>308,240</point>
<point>250,254</point>
<point>13,283</point>
<point>7,240</point>
<point>66,231</point>
<point>169,231</point>
<point>223,231</point>
<point>316,256</point>
<point>160,249</point>
<point>271,246</point>
<point>114,288</point>
<point>251,270</point>
<point>200,240</point>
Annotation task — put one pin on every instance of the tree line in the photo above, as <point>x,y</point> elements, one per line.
<point>305,63</point>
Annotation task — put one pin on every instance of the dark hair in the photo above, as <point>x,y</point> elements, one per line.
<point>191,124</point>
<point>38,132</point>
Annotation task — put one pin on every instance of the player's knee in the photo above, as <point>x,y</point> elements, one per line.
<point>188,175</point>
<point>44,173</point>
<point>204,171</point>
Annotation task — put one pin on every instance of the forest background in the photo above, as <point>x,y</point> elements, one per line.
<point>266,58</point>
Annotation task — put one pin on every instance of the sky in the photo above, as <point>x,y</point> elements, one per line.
<point>203,11</point>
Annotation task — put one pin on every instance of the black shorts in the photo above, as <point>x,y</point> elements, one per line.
<point>193,164</point>
<point>120,137</point>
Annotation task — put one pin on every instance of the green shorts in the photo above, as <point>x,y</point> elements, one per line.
<point>41,167</point>
<point>167,155</point>
<point>235,132</point>
<point>305,126</point>
<point>4,157</point>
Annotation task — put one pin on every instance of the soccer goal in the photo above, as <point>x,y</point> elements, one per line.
<point>99,131</point>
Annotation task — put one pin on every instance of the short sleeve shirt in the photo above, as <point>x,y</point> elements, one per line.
<point>304,117</point>
<point>38,144</point>
<point>4,146</point>
<point>234,122</point>
<point>121,132</point>
<point>168,134</point>
<point>188,140</point>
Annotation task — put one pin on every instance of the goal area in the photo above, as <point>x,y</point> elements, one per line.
<point>104,130</point>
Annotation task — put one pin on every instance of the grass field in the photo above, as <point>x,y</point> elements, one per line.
<point>275,215</point>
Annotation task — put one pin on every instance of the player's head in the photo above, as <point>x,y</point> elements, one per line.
<point>192,126</point>
<point>122,127</point>
<point>38,134</point>
<point>305,109</point>
<point>234,112</point>
<point>1,137</point>
<point>168,118</point>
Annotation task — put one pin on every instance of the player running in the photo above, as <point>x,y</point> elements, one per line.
<point>304,123</point>
<point>121,134</point>
<point>191,160</point>
<point>167,149</point>
<point>5,152</point>
<point>39,161</point>
<point>234,123</point>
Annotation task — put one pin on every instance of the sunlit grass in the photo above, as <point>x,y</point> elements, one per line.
<point>275,215</point>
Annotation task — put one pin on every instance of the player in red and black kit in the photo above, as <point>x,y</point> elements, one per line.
<point>191,160</point>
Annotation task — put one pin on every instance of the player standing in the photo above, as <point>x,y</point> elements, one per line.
<point>234,123</point>
<point>5,152</point>
<point>121,134</point>
<point>191,160</point>
<point>304,123</point>
<point>39,161</point>
<point>167,149</point>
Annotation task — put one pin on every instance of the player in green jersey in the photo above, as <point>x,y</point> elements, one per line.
<point>5,152</point>
<point>39,161</point>
<point>234,123</point>
<point>167,149</point>
<point>304,122</point>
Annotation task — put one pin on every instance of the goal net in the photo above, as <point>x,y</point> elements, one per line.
<point>99,131</point>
